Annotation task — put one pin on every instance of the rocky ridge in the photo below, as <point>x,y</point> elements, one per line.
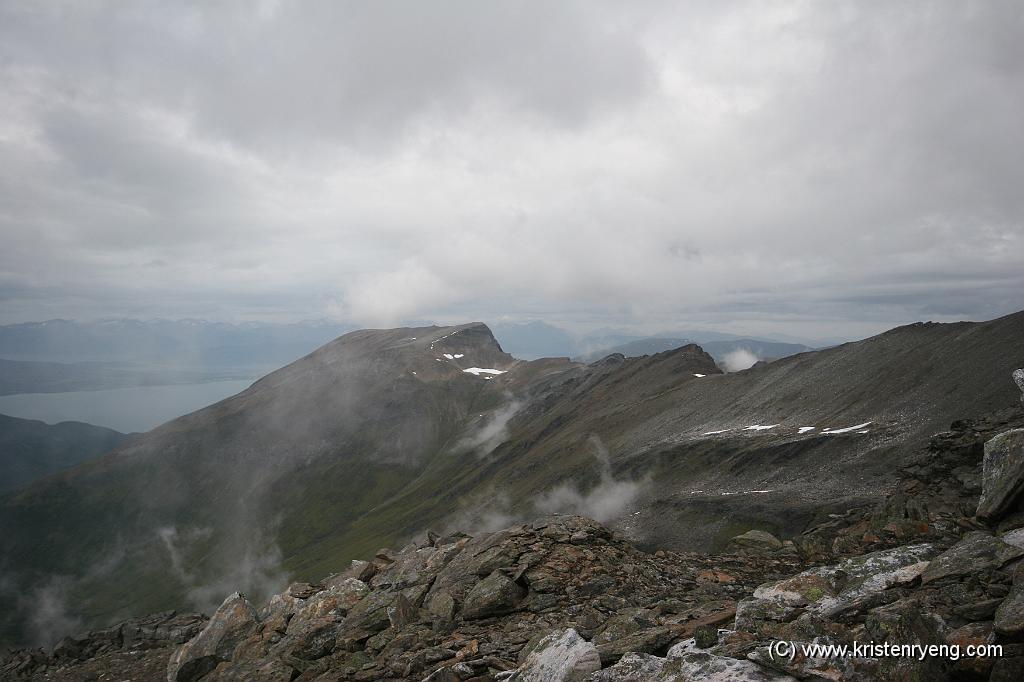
<point>564,598</point>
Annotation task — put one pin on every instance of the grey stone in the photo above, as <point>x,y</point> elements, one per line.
<point>830,590</point>
<point>562,656</point>
<point>975,552</point>
<point>711,668</point>
<point>757,539</point>
<point>649,641</point>
<point>1002,475</point>
<point>494,595</point>
<point>1009,619</point>
<point>233,621</point>
<point>631,668</point>
<point>402,613</point>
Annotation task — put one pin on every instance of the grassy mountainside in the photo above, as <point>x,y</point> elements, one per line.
<point>382,433</point>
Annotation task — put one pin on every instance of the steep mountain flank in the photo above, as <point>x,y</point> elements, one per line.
<point>383,433</point>
<point>300,455</point>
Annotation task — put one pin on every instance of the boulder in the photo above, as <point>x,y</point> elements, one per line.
<point>402,613</point>
<point>369,616</point>
<point>975,634</point>
<point>631,668</point>
<point>623,624</point>
<point>711,668</point>
<point>1002,475</point>
<point>977,551</point>
<point>1018,378</point>
<point>828,591</point>
<point>649,641</point>
<point>316,621</point>
<point>803,667</point>
<point>233,621</point>
<point>562,656</point>
<point>906,622</point>
<point>757,540</point>
<point>494,595</point>
<point>1009,619</point>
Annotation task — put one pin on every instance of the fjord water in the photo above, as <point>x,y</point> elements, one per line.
<point>135,409</point>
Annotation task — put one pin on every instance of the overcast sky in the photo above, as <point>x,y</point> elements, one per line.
<point>815,168</point>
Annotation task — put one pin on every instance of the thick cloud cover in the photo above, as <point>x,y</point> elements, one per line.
<point>814,168</point>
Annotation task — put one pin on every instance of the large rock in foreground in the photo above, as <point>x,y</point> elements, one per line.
<point>233,621</point>
<point>1003,476</point>
<point>560,657</point>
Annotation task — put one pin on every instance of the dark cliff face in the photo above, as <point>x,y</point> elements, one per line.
<point>382,433</point>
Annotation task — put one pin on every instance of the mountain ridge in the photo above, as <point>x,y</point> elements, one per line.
<point>378,434</point>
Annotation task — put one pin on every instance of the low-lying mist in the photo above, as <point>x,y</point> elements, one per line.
<point>738,360</point>
<point>609,499</point>
<point>493,431</point>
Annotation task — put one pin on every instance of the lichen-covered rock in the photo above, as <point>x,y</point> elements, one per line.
<point>711,668</point>
<point>972,634</point>
<point>1009,618</point>
<point>830,590</point>
<point>1018,378</point>
<point>369,615</point>
<point>492,596</point>
<point>803,667</point>
<point>905,622</point>
<point>1002,475</point>
<point>233,621</point>
<point>624,624</point>
<point>975,552</point>
<point>757,540</point>
<point>631,668</point>
<point>311,631</point>
<point>562,656</point>
<point>650,641</point>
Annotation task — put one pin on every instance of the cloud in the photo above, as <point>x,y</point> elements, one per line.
<point>48,615</point>
<point>801,167</point>
<point>739,359</point>
<point>256,569</point>
<point>492,431</point>
<point>606,501</point>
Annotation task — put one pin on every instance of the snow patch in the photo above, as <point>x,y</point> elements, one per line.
<point>477,371</point>
<point>805,429</point>
<point>713,433</point>
<point>699,376</point>
<point>760,427</point>
<point>848,429</point>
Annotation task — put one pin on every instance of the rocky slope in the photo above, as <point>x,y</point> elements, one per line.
<point>384,433</point>
<point>940,560</point>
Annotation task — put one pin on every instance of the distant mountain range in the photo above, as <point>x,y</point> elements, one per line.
<point>28,376</point>
<point>533,340</point>
<point>30,450</point>
<point>193,344</point>
<point>198,345</point>
<point>380,434</point>
<point>756,349</point>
